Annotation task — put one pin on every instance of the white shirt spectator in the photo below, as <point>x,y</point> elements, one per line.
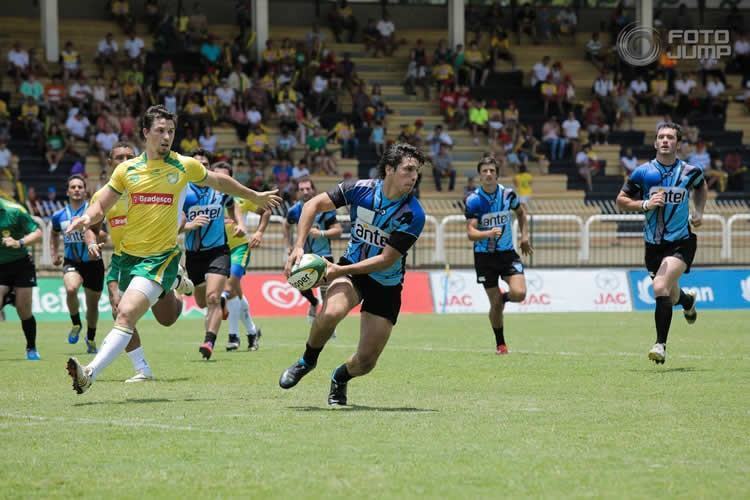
<point>385,28</point>
<point>19,58</point>
<point>133,47</point>
<point>603,87</point>
<point>254,117</point>
<point>298,172</point>
<point>107,48</point>
<point>319,85</point>
<point>106,141</point>
<point>571,128</point>
<point>684,86</point>
<point>582,159</point>
<point>225,95</point>
<point>638,87</point>
<point>435,142</point>
<point>79,90</point>
<point>702,159</point>
<point>539,73</point>
<point>78,127</point>
<point>715,88</point>
<point>208,143</point>
<point>629,164</point>
<point>741,47</point>
<point>5,156</point>
<point>567,18</point>
<point>100,93</point>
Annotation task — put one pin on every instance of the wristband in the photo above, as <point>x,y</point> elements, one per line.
<point>644,205</point>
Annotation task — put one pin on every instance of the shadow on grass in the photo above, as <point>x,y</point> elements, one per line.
<point>681,369</point>
<point>141,401</point>
<point>384,409</point>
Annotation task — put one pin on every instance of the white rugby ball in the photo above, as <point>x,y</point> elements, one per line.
<point>308,273</point>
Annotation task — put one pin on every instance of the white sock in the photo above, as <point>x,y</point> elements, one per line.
<point>235,311</point>
<point>114,343</point>
<point>139,361</point>
<point>246,319</point>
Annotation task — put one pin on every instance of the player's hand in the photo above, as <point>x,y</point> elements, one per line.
<point>696,219</point>
<point>294,257</point>
<point>495,232</point>
<point>78,224</point>
<point>256,239</point>
<point>199,221</point>
<point>656,200</point>
<point>57,260</point>
<point>314,233</point>
<point>525,246</point>
<point>238,231</point>
<point>95,250</point>
<point>10,242</point>
<point>266,199</point>
<point>333,271</point>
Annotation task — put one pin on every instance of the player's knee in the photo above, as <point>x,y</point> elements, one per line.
<point>71,290</point>
<point>661,288</point>
<point>213,299</point>
<point>517,295</point>
<point>331,315</point>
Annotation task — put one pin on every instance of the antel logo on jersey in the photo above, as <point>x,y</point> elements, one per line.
<point>494,219</point>
<point>370,234</point>
<point>152,198</point>
<point>213,212</point>
<point>118,221</point>
<point>672,195</point>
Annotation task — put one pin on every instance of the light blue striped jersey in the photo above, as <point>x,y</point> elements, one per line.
<point>75,247</point>
<point>200,200</point>
<point>493,210</point>
<point>323,220</point>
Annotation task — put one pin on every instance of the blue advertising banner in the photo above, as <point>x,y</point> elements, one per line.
<point>715,288</point>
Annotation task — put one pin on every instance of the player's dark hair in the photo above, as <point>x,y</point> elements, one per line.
<point>395,154</point>
<point>201,152</point>
<point>154,112</point>
<point>677,128</point>
<point>222,164</point>
<point>78,177</point>
<point>487,160</point>
<point>121,144</point>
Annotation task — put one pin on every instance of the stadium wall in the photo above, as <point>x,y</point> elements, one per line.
<point>441,292</point>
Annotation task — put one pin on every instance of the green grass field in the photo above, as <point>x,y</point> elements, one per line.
<point>576,410</point>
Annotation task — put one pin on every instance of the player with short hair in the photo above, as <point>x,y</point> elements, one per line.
<point>17,272</point>
<point>386,221</point>
<point>79,268</point>
<point>489,224</point>
<point>661,189</point>
<point>154,183</point>
<point>240,248</point>
<point>325,228</point>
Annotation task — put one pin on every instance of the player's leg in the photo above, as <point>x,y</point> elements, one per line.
<point>342,297</point>
<point>133,349</point>
<point>516,293</point>
<point>488,275</point>
<point>665,282</point>
<point>72,281</point>
<point>93,284</point>
<point>28,322</point>
<point>214,314</point>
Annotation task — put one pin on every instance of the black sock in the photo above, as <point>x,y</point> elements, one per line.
<point>311,355</point>
<point>685,300</point>
<point>341,375</point>
<point>210,337</point>
<point>506,297</point>
<point>310,296</point>
<point>499,337</point>
<point>663,318</point>
<point>29,331</point>
<point>76,319</point>
<point>91,334</point>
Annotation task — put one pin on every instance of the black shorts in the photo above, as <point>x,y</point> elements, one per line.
<point>377,299</point>
<point>19,273</point>
<point>92,273</point>
<point>682,249</point>
<point>212,261</point>
<point>491,266</point>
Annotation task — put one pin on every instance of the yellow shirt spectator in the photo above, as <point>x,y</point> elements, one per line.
<point>188,145</point>
<point>257,142</point>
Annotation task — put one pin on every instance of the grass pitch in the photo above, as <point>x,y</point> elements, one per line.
<point>575,410</point>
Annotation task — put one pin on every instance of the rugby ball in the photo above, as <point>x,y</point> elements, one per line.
<point>308,272</point>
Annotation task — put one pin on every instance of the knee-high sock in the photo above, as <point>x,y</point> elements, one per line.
<point>235,311</point>
<point>114,343</point>
<point>663,318</point>
<point>247,319</point>
<point>139,360</point>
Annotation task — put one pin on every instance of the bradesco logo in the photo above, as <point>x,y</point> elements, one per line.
<point>211,211</point>
<point>494,219</point>
<point>118,221</point>
<point>372,235</point>
<point>672,195</point>
<point>152,198</point>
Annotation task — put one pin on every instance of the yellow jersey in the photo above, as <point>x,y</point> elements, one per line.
<point>245,206</point>
<point>523,181</point>
<point>117,219</point>
<point>155,189</point>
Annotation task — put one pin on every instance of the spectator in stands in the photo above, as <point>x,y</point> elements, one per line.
<point>551,136</point>
<point>624,108</point>
<point>104,141</point>
<point>735,168</point>
<point>71,62</point>
<point>33,203</point>
<point>189,142</point>
<point>371,37</point>
<point>442,53</point>
<point>416,76</point>
<point>239,80</point>
<point>546,23</point>
<point>30,118</point>
<point>31,87</point>
<point>300,170</point>
<point>282,172</point>
<point>121,12</point>
<point>318,155</point>
<point>523,182</point>
<point>438,138</point>
<point>314,39</point>
<point>596,123</point>
<point>685,90</point>
<point>477,64</point>
<point>210,51</point>
<point>571,128</point>
<point>604,91</point>
<point>208,139</point>
<point>478,118</point>
<point>709,66</point>
<point>716,102</point>
<point>346,137</point>
<point>285,144</point>
<point>5,159</point>
<point>511,114</point>
<point>690,133</point>
<point>133,47</point>
<point>443,75</point>
<point>661,100</point>
<point>525,22</point>
<point>377,138</point>
<point>540,71</point>
<point>18,62</point>
<point>254,116</point>
<point>99,91</point>
<point>171,101</point>
<point>322,96</point>
<point>4,118</point>
<point>387,31</point>
<point>500,49</point>
<point>50,204</point>
<point>549,93</point>
<point>80,91</point>
<point>259,147</point>
<point>587,166</point>
<point>594,51</point>
<point>128,125</point>
<point>628,162</point>
<point>567,23</point>
<point>638,89</point>
<point>106,52</point>
<point>442,166</point>
<point>226,95</point>
<point>341,18</point>
<point>37,62</point>
<point>470,187</point>
<point>238,117</point>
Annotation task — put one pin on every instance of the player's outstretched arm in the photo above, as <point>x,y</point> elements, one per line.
<point>95,213</point>
<point>700,197</point>
<point>91,238</point>
<point>319,203</point>
<point>226,184</point>
<point>523,226</point>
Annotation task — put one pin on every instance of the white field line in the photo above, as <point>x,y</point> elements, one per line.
<point>111,422</point>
